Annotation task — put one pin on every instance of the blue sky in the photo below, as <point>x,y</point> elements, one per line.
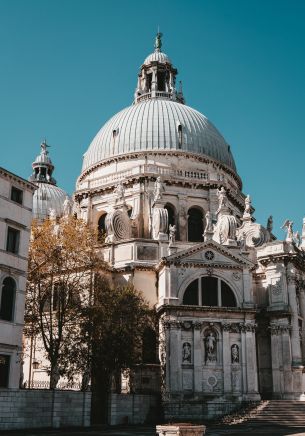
<point>66,66</point>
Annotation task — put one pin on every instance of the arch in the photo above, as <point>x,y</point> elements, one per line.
<point>209,291</point>
<point>7,299</point>
<point>101,226</point>
<point>171,212</point>
<point>195,224</point>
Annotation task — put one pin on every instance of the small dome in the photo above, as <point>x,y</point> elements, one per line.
<point>42,159</point>
<point>157,56</point>
<point>48,197</point>
<point>158,124</point>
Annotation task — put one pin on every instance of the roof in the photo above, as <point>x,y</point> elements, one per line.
<point>18,179</point>
<point>47,197</point>
<point>154,125</point>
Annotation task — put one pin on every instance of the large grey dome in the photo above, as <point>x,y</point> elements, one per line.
<point>158,124</point>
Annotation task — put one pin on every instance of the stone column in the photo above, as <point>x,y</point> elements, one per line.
<point>251,359</point>
<point>286,360</point>
<point>247,285</point>
<point>295,337</point>
<point>243,359</point>
<point>182,228</point>
<point>275,360</point>
<point>174,357</point>
<point>302,308</point>
<point>226,355</point>
<point>154,85</point>
<point>197,358</point>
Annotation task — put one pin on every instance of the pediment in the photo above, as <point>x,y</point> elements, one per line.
<point>207,253</point>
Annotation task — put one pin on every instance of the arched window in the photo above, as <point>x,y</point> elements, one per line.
<point>180,137</point>
<point>171,212</point>
<point>209,291</point>
<point>195,225</point>
<point>101,226</point>
<point>7,299</point>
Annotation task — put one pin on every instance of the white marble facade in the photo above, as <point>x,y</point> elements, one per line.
<point>160,183</point>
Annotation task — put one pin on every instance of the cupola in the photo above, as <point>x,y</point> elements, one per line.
<point>157,77</point>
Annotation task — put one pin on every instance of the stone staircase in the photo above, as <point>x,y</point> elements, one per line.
<point>279,412</point>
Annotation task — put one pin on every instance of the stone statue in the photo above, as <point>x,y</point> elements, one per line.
<point>158,42</point>
<point>52,214</point>
<point>44,146</point>
<point>235,353</point>
<point>247,211</point>
<point>297,238</point>
<point>242,241</point>
<point>186,352</point>
<point>289,229</point>
<point>222,198</point>
<point>172,234</point>
<point>210,347</point>
<point>67,207</point>
<point>270,224</point>
<point>120,192</point>
<point>209,222</point>
<point>158,189</point>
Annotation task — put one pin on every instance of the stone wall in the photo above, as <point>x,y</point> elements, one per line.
<point>198,410</point>
<point>20,409</point>
<point>132,409</point>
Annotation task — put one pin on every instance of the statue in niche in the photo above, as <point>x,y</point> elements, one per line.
<point>235,353</point>
<point>172,234</point>
<point>186,352</point>
<point>119,192</point>
<point>209,222</point>
<point>158,189</point>
<point>210,347</point>
<point>270,224</point>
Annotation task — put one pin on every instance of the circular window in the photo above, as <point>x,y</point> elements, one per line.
<point>209,255</point>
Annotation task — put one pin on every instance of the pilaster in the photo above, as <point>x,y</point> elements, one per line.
<point>226,352</point>
<point>295,337</point>
<point>197,358</point>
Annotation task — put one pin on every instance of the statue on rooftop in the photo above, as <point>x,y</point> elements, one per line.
<point>270,224</point>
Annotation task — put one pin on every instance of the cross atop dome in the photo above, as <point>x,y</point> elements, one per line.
<point>157,77</point>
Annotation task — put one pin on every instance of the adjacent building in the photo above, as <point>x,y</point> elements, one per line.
<point>16,199</point>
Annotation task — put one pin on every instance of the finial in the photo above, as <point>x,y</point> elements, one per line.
<point>158,42</point>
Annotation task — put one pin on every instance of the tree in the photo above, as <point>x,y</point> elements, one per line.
<point>62,263</point>
<point>87,325</point>
<point>111,337</point>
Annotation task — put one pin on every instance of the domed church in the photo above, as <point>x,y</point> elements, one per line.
<point>160,183</point>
